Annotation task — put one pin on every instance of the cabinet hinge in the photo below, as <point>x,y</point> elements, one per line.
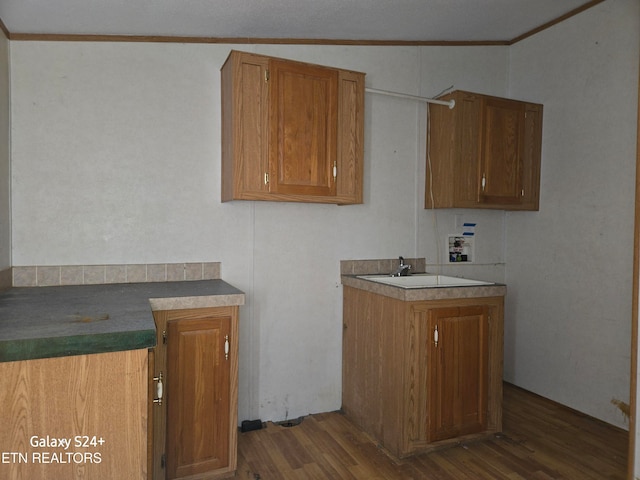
<point>266,178</point>
<point>266,76</point>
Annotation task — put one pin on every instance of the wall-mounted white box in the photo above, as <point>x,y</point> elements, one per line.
<point>460,248</point>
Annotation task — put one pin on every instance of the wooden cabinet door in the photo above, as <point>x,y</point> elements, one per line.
<point>457,373</point>
<point>303,119</point>
<point>465,184</point>
<point>350,150</point>
<point>531,157</point>
<point>198,395</point>
<point>502,147</point>
<point>245,133</point>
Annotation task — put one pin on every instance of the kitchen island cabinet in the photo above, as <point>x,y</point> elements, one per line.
<point>74,375</point>
<point>422,373</point>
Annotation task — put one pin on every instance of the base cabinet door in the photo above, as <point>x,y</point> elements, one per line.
<point>196,439</point>
<point>198,396</point>
<point>457,372</point>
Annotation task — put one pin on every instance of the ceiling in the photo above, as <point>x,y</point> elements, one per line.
<point>350,20</point>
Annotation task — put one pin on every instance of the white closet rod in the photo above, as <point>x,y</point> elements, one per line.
<point>449,103</point>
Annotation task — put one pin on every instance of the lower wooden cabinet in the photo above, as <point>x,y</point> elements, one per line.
<point>96,402</point>
<point>418,375</point>
<point>195,423</point>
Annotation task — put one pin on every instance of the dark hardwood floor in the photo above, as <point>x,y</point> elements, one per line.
<point>541,440</point>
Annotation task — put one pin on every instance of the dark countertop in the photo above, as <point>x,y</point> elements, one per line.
<point>42,322</point>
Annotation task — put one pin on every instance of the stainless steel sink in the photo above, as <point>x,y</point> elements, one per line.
<point>426,280</point>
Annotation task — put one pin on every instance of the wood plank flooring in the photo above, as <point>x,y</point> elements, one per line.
<point>541,440</point>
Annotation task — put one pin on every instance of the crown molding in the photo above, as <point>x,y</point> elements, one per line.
<point>55,37</point>
<point>3,27</point>
<point>556,21</point>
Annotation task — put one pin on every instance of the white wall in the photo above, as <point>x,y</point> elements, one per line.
<point>5,167</point>
<point>116,159</point>
<point>569,266</point>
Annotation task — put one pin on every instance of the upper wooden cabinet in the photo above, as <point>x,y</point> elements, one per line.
<point>291,131</point>
<point>484,153</point>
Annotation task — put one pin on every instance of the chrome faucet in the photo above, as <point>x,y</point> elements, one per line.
<point>401,270</point>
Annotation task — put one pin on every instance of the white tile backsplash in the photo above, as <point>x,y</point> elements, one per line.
<point>52,275</point>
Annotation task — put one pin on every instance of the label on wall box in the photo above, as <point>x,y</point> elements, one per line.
<point>460,248</point>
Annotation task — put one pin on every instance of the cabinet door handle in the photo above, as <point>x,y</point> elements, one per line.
<point>159,389</point>
<point>226,347</point>
<point>484,181</point>
<point>435,335</point>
